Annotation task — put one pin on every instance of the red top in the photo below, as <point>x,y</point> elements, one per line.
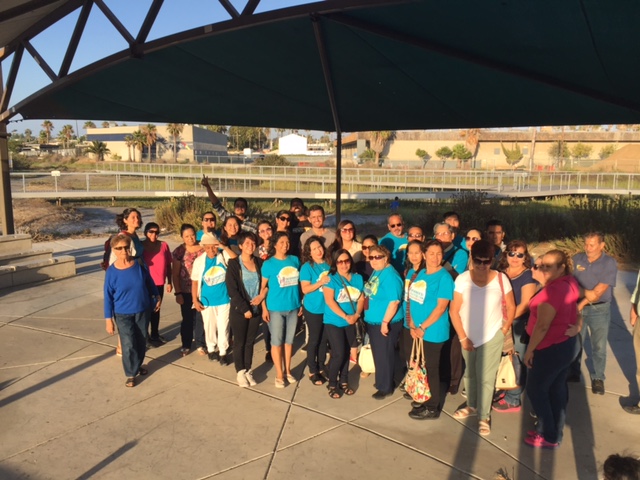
<point>562,294</point>
<point>158,263</point>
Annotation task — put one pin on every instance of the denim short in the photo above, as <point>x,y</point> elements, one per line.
<point>282,326</point>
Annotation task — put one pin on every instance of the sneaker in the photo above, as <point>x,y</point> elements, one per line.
<point>538,441</point>
<point>503,406</point>
<point>212,356</point>
<point>424,413</point>
<point>250,379</point>
<point>224,361</point>
<point>597,386</point>
<point>242,379</point>
<point>267,357</point>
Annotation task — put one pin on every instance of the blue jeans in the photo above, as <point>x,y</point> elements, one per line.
<point>596,319</point>
<point>132,329</point>
<point>547,387</point>
<point>282,326</point>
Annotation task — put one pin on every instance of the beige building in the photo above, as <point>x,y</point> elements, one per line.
<point>194,144</point>
<point>534,144</point>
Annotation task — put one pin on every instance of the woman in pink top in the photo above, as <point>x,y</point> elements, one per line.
<point>553,325</point>
<point>157,256</point>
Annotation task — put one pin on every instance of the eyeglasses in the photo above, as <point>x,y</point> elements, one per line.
<point>265,230</point>
<point>543,266</point>
<point>121,248</point>
<point>208,219</point>
<point>343,261</point>
<point>395,225</point>
<point>537,266</point>
<point>479,261</point>
<point>415,235</point>
<point>376,257</point>
<point>366,247</point>
<point>284,219</point>
<point>446,232</point>
<point>155,232</point>
<point>346,229</point>
<point>472,239</point>
<point>516,254</point>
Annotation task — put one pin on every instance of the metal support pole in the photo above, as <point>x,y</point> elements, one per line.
<point>6,208</point>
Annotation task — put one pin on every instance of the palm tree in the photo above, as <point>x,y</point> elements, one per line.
<point>67,134</point>
<point>472,138</point>
<point>105,124</point>
<point>377,142</point>
<point>99,149</point>
<point>129,142</point>
<point>150,133</point>
<point>42,137</point>
<point>89,124</point>
<point>139,141</point>
<point>175,130</point>
<point>48,127</point>
<point>28,135</point>
<point>267,133</point>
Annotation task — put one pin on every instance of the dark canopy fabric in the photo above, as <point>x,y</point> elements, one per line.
<point>399,65</point>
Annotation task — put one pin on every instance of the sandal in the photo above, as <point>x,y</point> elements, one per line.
<point>291,378</point>
<point>316,379</point>
<point>465,412</point>
<point>184,352</point>
<point>143,371</point>
<point>131,382</point>
<point>335,393</point>
<point>118,352</point>
<point>484,427</point>
<point>279,383</point>
<point>345,388</point>
<point>364,374</point>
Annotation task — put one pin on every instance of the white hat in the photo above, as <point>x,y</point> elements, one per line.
<point>209,239</point>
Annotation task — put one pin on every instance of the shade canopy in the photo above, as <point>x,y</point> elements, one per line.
<point>355,65</point>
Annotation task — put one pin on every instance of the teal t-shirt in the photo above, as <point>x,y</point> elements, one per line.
<point>213,291</point>
<point>383,286</point>
<point>342,290</point>
<point>423,295</point>
<point>284,283</point>
<point>398,248</point>
<point>312,272</point>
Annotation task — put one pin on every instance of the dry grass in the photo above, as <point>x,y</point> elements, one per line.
<point>44,220</point>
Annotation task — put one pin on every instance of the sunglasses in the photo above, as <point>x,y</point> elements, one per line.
<point>376,257</point>
<point>543,266</point>
<point>344,261</point>
<point>415,235</point>
<point>155,232</point>
<point>208,219</point>
<point>472,239</point>
<point>121,248</point>
<point>366,247</point>
<point>395,225</point>
<point>346,229</point>
<point>515,254</point>
<point>479,261</point>
<point>284,219</point>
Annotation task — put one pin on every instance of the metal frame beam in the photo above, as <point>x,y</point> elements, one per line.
<point>231,10</point>
<point>250,7</point>
<point>328,80</point>
<point>11,79</point>
<point>115,22</point>
<point>6,205</point>
<point>149,20</point>
<point>40,61</point>
<point>75,38</point>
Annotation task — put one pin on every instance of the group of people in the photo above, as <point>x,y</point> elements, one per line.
<point>469,298</point>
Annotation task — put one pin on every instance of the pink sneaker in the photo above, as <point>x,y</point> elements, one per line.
<point>503,406</point>
<point>538,441</point>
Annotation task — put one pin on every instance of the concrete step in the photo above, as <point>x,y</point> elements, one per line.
<point>35,271</point>
<point>21,257</point>
<point>14,243</point>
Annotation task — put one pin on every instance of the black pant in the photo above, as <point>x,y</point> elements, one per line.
<point>432,352</point>
<point>339,339</point>
<point>188,317</point>
<point>383,350</point>
<point>154,321</point>
<point>317,344</point>
<point>244,335</point>
<point>452,361</point>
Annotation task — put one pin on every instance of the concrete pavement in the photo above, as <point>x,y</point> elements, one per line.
<point>65,412</point>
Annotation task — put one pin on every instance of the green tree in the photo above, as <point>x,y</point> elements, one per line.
<point>607,151</point>
<point>99,149</point>
<point>560,152</point>
<point>377,142</point>
<point>423,155</point>
<point>28,135</point>
<point>89,124</point>
<point>580,150</point>
<point>216,128</point>
<point>67,134</point>
<point>461,153</point>
<point>273,161</point>
<point>105,124</point>
<point>139,140</point>
<point>513,156</point>
<point>42,137</point>
<point>48,128</point>
<point>150,133</point>
<point>444,153</point>
<point>175,130</point>
<point>130,142</point>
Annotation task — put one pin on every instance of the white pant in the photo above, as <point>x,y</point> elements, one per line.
<point>216,327</point>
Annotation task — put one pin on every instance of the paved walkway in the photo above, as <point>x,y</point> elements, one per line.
<point>65,412</point>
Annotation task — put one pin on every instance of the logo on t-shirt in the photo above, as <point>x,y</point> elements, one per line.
<point>321,276</point>
<point>288,277</point>
<point>214,276</point>
<point>418,291</point>
<point>402,247</point>
<point>348,295</point>
<point>371,287</point>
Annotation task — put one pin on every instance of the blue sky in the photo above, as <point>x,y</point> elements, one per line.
<point>101,39</point>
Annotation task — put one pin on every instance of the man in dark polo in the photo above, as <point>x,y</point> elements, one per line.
<point>596,273</point>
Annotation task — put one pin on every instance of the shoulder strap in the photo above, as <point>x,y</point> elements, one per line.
<point>348,294</point>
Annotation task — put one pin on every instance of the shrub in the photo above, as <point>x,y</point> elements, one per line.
<point>273,161</point>
<point>178,210</point>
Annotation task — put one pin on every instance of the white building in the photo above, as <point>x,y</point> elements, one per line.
<point>292,145</point>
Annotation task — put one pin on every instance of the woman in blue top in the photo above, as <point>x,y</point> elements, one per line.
<point>344,305</point>
<point>280,274</point>
<point>128,290</point>
<point>428,291</point>
<point>313,276</point>
<point>383,316</point>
